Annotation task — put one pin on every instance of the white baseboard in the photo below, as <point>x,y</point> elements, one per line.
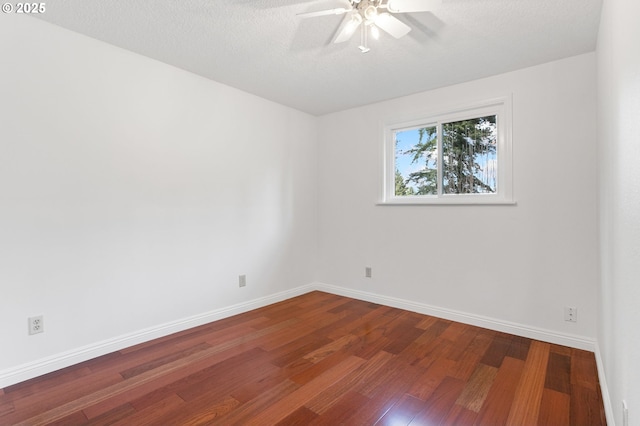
<point>43,366</point>
<point>604,389</point>
<point>570,340</point>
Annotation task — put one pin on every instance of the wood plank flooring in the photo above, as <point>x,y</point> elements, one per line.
<point>320,359</point>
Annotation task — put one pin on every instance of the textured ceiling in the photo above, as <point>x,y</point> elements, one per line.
<point>262,47</point>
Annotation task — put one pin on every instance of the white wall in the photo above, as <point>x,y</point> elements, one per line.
<point>516,264</point>
<point>619,182</point>
<point>133,194</point>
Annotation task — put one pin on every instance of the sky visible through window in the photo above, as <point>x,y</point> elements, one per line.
<point>405,164</point>
<point>469,162</point>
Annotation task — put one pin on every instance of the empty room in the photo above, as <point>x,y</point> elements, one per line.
<point>358,212</point>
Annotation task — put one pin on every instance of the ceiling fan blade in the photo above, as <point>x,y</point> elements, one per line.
<point>403,6</point>
<point>336,11</point>
<point>392,25</point>
<point>349,26</point>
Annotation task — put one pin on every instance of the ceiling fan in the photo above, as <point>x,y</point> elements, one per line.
<point>372,15</point>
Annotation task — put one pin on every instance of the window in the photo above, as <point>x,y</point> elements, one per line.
<point>459,157</point>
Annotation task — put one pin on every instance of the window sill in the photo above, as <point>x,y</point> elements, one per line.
<point>444,201</point>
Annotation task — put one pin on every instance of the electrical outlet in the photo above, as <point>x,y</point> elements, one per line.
<point>367,272</point>
<point>242,280</point>
<point>571,314</point>
<point>36,325</point>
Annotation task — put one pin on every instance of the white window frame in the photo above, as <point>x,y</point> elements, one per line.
<point>501,108</point>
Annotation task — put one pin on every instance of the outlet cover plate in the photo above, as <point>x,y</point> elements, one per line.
<point>571,314</point>
<point>36,324</point>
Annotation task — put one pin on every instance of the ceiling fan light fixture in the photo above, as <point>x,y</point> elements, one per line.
<point>392,7</point>
<point>370,13</point>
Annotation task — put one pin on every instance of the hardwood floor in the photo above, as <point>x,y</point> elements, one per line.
<point>320,359</point>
